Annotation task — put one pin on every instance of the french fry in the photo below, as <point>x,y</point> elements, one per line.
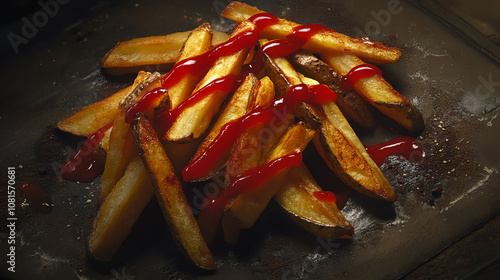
<point>296,198</point>
<point>120,210</point>
<point>341,149</point>
<point>336,141</point>
<point>235,108</point>
<point>193,121</point>
<point>350,102</point>
<point>323,42</point>
<point>197,43</point>
<point>170,195</point>
<point>121,149</point>
<point>156,52</point>
<point>247,149</point>
<point>379,93</point>
<point>92,117</point>
<point>243,211</point>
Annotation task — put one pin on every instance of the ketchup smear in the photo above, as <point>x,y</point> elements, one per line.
<point>357,73</point>
<point>408,147</point>
<point>317,94</point>
<point>37,199</point>
<point>210,216</point>
<point>83,165</point>
<point>325,196</point>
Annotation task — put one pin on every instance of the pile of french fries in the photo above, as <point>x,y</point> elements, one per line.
<point>143,160</point>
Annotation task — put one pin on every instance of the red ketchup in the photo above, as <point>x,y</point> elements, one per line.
<point>408,147</point>
<point>199,66</point>
<point>224,84</point>
<point>83,166</point>
<point>145,103</point>
<point>37,199</point>
<point>317,94</point>
<point>210,216</point>
<point>283,47</point>
<point>325,196</point>
<point>357,73</point>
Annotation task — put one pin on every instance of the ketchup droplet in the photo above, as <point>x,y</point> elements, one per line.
<point>37,199</point>
<point>83,166</point>
<point>408,147</point>
<point>325,196</point>
<point>210,216</point>
<point>357,73</point>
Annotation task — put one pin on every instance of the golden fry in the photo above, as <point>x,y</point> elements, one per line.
<point>170,195</point>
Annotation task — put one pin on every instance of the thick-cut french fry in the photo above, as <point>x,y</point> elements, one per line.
<point>341,149</point>
<point>120,210</point>
<point>170,194</point>
<point>324,41</point>
<point>340,146</point>
<point>94,116</point>
<point>297,199</point>
<point>197,43</point>
<point>121,149</point>
<point>235,108</point>
<point>247,149</point>
<point>379,93</point>
<point>244,210</point>
<point>193,121</point>
<point>350,102</point>
<point>156,52</point>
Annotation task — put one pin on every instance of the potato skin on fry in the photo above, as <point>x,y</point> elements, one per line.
<point>350,102</point>
<point>339,146</point>
<point>170,195</point>
<point>379,93</point>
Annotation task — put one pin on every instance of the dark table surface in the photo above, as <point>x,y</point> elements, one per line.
<point>450,72</point>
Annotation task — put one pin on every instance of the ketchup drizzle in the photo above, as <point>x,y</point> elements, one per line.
<point>325,196</point>
<point>210,216</point>
<point>83,166</point>
<point>283,47</point>
<point>145,103</point>
<point>37,199</point>
<point>408,147</point>
<point>357,73</point>
<point>224,84</point>
<point>317,94</point>
<point>200,64</point>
